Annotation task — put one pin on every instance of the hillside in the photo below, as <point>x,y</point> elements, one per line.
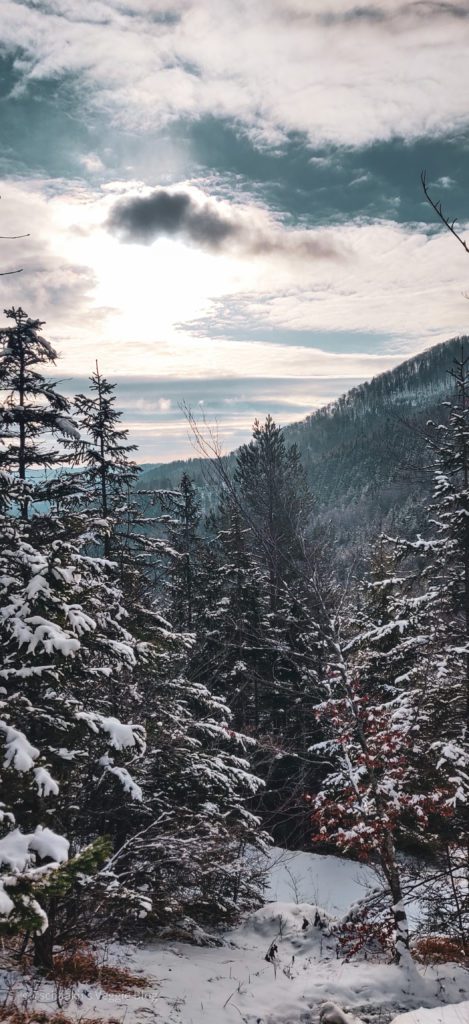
<point>364,454</point>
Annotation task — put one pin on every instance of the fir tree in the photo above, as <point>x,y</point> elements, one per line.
<point>31,408</point>
<point>67,657</point>
<point>180,519</point>
<point>276,502</point>
<point>102,449</point>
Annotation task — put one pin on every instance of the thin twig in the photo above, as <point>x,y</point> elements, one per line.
<point>436,206</point>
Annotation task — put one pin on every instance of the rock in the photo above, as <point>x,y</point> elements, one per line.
<point>330,1013</point>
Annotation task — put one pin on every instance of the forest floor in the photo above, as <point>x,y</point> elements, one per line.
<point>234,982</point>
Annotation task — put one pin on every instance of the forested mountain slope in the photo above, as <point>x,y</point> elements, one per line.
<point>364,454</point>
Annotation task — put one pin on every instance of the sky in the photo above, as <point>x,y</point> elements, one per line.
<point>223,197</point>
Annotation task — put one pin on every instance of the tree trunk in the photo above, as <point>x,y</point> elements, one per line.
<point>401,924</point>
<point>44,951</point>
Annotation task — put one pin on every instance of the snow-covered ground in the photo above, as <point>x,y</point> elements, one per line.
<point>235,982</point>
<point>457,1013</point>
<point>329,882</point>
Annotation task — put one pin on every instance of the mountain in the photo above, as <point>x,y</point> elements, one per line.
<point>364,454</point>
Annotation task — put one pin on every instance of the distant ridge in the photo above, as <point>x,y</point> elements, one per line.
<point>364,453</point>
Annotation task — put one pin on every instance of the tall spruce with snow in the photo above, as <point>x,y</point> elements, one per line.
<point>102,448</point>
<point>184,554</point>
<point>276,502</point>
<point>276,505</point>
<point>67,661</point>
<point>230,642</point>
<point>444,567</point>
<point>32,412</point>
<point>182,847</point>
<point>261,620</point>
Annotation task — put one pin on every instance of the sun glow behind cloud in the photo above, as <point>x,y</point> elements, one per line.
<point>162,307</point>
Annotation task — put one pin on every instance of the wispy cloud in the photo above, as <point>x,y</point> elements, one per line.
<point>341,72</point>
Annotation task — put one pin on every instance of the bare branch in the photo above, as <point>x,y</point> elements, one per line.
<point>436,206</point>
<point>7,273</point>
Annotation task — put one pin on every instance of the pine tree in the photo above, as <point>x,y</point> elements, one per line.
<point>164,833</point>
<point>275,500</point>
<point>180,519</point>
<point>102,449</point>
<point>259,626</point>
<point>229,648</point>
<point>31,408</point>
<point>67,657</point>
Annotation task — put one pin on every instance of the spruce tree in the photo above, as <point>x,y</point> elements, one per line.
<point>67,656</point>
<point>180,519</point>
<point>229,648</point>
<point>261,633</point>
<point>32,411</point>
<point>276,502</point>
<point>102,448</point>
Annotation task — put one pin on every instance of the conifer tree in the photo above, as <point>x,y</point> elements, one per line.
<point>229,648</point>
<point>32,411</point>
<point>260,631</point>
<point>63,637</point>
<point>276,501</point>
<point>110,474</point>
<point>191,823</point>
<point>76,683</point>
<point>180,518</point>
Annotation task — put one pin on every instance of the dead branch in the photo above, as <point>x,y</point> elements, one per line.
<point>437,207</point>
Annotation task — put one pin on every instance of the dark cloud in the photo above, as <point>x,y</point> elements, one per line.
<point>211,226</point>
<point>145,218</point>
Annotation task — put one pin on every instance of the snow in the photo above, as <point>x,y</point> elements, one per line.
<point>121,734</point>
<point>47,634</point>
<point>279,966</point>
<point>19,753</point>
<point>333,882</point>
<point>128,784</point>
<point>46,785</point>
<point>330,1013</point>
<point>17,847</point>
<point>454,1014</point>
<point>67,427</point>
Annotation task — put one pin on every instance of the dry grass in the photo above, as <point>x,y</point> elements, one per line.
<point>440,949</point>
<point>80,965</point>
<point>13,1015</point>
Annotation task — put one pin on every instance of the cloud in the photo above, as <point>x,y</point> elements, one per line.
<point>362,179</point>
<point>445,181</point>
<point>92,163</point>
<point>52,285</point>
<point>214,225</point>
<point>342,73</point>
<point>405,281</point>
<point>162,433</point>
<point>384,13</point>
<point>98,296</point>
